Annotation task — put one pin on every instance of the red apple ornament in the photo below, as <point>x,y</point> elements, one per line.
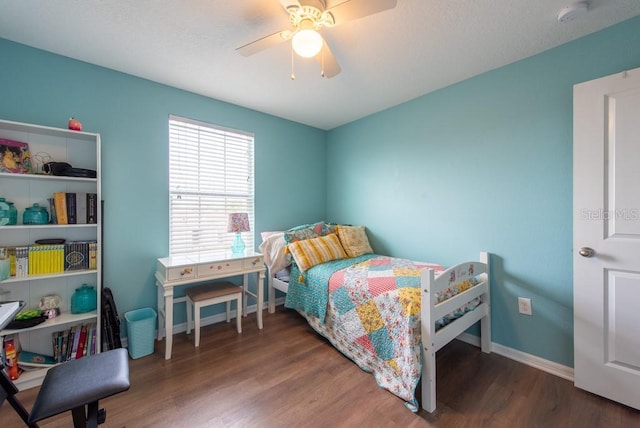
<point>75,125</point>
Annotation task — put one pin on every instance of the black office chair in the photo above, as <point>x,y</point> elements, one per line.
<point>76,386</point>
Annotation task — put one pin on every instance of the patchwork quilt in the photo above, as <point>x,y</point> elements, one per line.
<point>368,307</point>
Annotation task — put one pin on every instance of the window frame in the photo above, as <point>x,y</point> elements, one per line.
<point>201,199</point>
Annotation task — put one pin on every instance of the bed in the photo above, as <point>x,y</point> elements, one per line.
<point>372,307</point>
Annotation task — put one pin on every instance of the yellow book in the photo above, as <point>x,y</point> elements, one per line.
<point>93,255</point>
<point>45,262</point>
<point>48,253</point>
<point>60,203</point>
<point>61,258</point>
<point>38,258</point>
<point>32,260</point>
<point>12,261</point>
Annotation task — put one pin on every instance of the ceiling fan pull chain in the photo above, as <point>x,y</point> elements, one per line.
<point>293,76</point>
<point>322,61</point>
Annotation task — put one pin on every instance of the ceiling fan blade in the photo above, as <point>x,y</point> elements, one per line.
<point>264,43</point>
<point>289,4</point>
<point>328,62</point>
<point>355,9</point>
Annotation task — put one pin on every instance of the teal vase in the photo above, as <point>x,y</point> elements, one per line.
<point>238,244</point>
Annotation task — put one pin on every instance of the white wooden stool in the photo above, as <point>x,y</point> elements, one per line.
<point>210,294</point>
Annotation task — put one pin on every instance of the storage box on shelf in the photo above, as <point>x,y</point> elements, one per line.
<point>81,150</point>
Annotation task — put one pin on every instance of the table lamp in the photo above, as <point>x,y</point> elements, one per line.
<point>238,223</point>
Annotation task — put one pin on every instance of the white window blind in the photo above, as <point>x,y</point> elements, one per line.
<point>210,176</point>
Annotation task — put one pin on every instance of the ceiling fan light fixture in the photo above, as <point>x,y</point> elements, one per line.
<point>307,43</point>
<point>307,18</point>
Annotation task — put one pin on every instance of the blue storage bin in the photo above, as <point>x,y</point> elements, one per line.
<point>141,327</point>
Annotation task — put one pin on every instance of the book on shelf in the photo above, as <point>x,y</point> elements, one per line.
<point>81,208</point>
<point>74,208</point>
<point>70,339</point>
<point>56,342</point>
<point>52,211</point>
<point>78,255</point>
<point>92,208</point>
<point>71,208</point>
<point>46,259</point>
<point>93,255</point>
<point>31,359</point>
<point>74,343</point>
<point>93,349</point>
<point>89,339</point>
<point>60,203</point>
<point>63,349</point>
<point>81,340</point>
<point>22,262</point>
<point>76,339</point>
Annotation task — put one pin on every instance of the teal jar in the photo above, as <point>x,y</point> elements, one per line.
<point>13,213</point>
<point>84,299</point>
<point>5,213</point>
<point>35,214</point>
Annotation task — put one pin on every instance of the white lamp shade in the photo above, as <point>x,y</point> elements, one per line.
<point>307,43</point>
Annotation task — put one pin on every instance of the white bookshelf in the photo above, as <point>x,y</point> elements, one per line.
<point>81,150</point>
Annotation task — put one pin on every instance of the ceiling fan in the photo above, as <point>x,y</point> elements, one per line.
<point>307,18</point>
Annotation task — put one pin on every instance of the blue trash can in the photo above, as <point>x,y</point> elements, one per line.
<point>141,327</point>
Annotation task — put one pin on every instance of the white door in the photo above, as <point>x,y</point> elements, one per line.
<point>606,236</point>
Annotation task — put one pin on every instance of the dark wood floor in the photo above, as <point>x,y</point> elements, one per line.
<point>287,376</point>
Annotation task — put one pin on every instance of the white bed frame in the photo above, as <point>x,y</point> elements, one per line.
<point>432,341</point>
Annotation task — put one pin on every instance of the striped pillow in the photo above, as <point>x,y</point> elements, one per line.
<point>311,252</point>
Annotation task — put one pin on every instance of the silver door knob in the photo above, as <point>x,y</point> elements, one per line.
<point>586,252</point>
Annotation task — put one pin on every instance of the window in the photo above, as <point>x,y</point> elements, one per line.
<point>210,176</point>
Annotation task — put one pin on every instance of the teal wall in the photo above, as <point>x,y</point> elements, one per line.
<point>131,114</point>
<point>485,164</point>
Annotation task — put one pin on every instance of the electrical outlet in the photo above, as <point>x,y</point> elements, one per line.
<point>524,305</point>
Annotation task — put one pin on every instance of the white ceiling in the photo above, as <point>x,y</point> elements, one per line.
<point>386,59</point>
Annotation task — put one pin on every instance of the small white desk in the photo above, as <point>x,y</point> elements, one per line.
<point>190,269</point>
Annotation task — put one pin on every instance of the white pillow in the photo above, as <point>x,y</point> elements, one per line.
<point>273,248</point>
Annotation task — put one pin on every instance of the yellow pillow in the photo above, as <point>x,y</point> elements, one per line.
<point>311,252</point>
<point>354,240</point>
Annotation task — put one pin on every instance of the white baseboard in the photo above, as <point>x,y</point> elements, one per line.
<point>524,358</point>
